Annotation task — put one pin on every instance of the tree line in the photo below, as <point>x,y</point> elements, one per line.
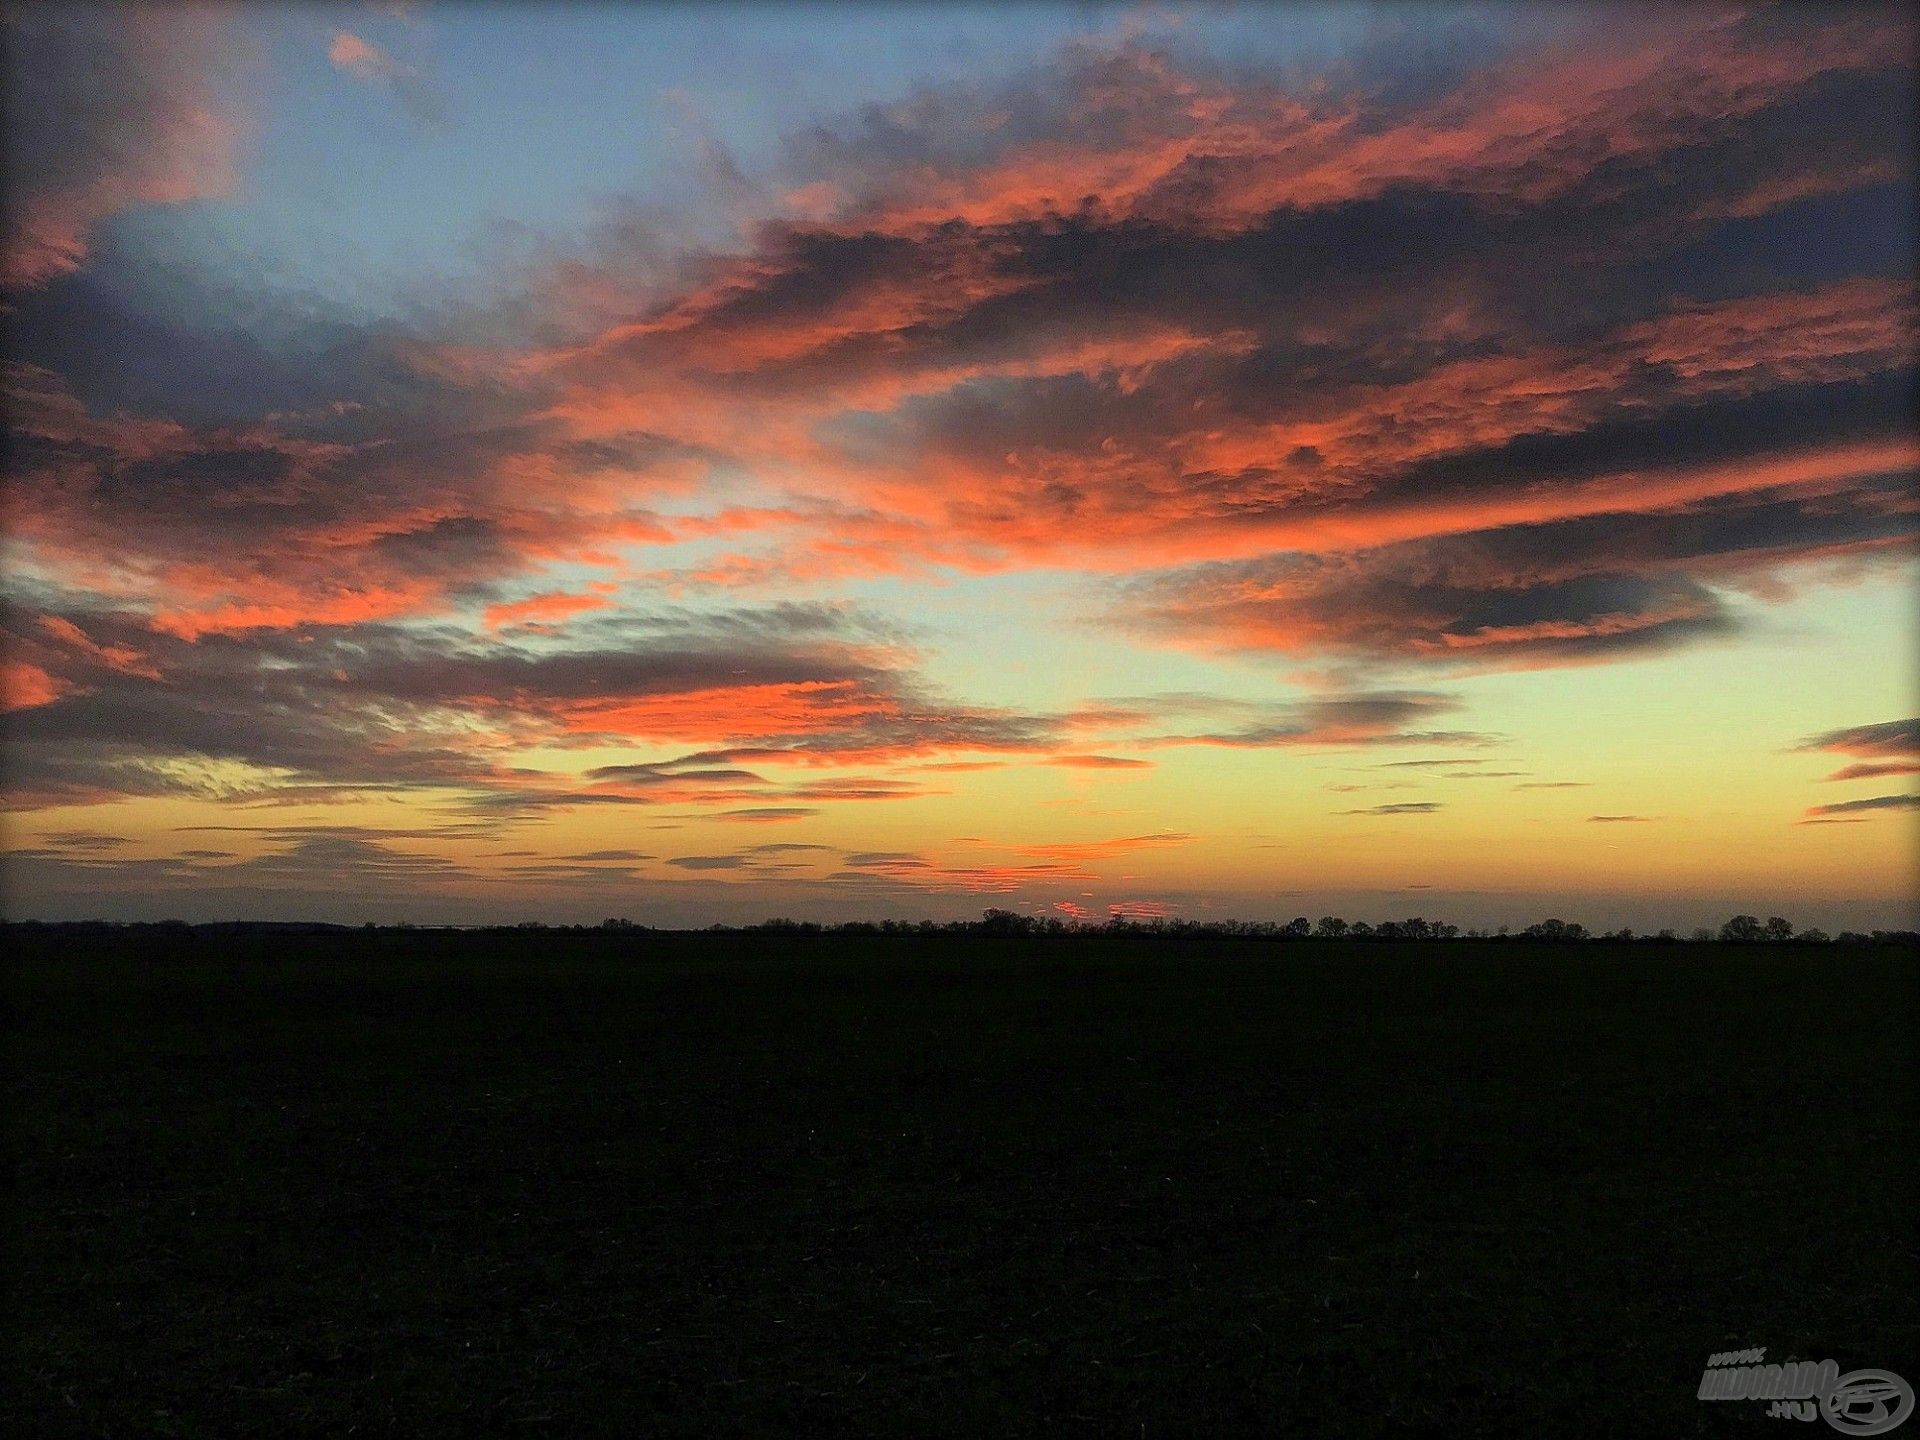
<point>1014,924</point>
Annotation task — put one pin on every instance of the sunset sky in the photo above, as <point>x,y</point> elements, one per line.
<point>495,462</point>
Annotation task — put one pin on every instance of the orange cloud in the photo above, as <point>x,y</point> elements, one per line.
<point>26,685</point>
<point>553,606</point>
<point>1876,769</point>
<point>1078,852</point>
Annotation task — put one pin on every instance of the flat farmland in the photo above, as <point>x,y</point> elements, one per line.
<point>580,1184</point>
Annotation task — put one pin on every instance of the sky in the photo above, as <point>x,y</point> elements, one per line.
<point>495,462</point>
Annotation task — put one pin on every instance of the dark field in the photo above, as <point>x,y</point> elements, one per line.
<point>428,1184</point>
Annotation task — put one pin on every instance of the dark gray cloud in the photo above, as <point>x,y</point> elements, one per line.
<point>106,107</point>
<point>84,840</point>
<point>1372,718</point>
<point>1556,593</point>
<point>1872,803</point>
<point>317,711</point>
<point>1890,738</point>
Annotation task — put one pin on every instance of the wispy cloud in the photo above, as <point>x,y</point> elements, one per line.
<point>354,55</point>
<point>1890,747</point>
<point>1872,803</point>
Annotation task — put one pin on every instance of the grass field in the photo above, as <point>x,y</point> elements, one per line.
<point>426,1184</point>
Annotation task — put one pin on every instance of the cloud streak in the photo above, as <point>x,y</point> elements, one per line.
<point>1872,803</point>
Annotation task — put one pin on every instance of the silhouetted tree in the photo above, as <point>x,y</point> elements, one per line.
<point>1007,923</point>
<point>1331,927</point>
<point>1742,930</point>
<point>1779,928</point>
<point>1554,930</point>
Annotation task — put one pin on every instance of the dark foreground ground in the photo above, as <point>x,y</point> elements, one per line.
<point>425,1185</point>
